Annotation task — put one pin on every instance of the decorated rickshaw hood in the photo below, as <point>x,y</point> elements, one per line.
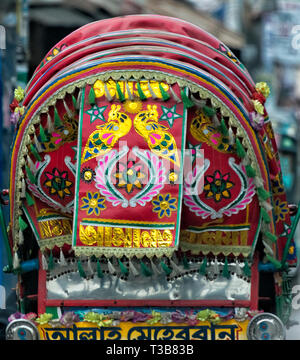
<point>101,134</point>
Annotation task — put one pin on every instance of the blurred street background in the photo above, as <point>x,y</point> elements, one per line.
<point>263,34</point>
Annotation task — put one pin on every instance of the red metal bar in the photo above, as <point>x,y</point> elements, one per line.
<point>254,283</point>
<point>42,290</point>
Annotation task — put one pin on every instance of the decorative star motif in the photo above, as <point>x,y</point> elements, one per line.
<point>169,114</point>
<point>96,113</point>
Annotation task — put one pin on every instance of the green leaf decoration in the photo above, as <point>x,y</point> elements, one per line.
<point>140,92</point>
<point>164,93</point>
<point>225,271</point>
<point>120,93</point>
<point>80,269</point>
<point>22,224</point>
<point>240,151</point>
<point>123,268</point>
<point>202,269</point>
<point>165,268</point>
<point>99,270</point>
<point>145,269</point>
<point>29,199</point>
<point>186,100</point>
<point>92,96</point>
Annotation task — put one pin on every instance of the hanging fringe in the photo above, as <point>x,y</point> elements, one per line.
<point>258,182</point>
<point>185,99</point>
<point>250,171</point>
<point>142,96</point>
<point>165,268</point>
<point>99,270</point>
<point>23,189</point>
<point>240,151</point>
<point>238,269</point>
<point>50,125</point>
<point>30,175</point>
<point>266,205</point>
<point>265,216</point>
<point>230,136</point>
<point>80,269</point>
<point>69,112</point>
<point>107,93</point>
<point>185,262</point>
<point>57,121</point>
<point>225,271</point>
<point>223,128</point>
<point>198,102</point>
<point>123,268</point>
<point>174,95</point>
<point>270,236</point>
<point>37,144</point>
<point>246,269</point>
<point>208,111</point>
<point>164,93</point>
<point>132,268</point>
<point>92,97</point>
<point>155,270</point>
<point>90,267</point>
<point>130,96</point>
<point>153,95</point>
<point>175,268</point>
<point>145,269</point>
<point>202,269</point>
<point>216,266</point>
<point>120,93</point>
<point>111,268</point>
<point>35,153</point>
<point>22,224</point>
<point>29,199</point>
<point>51,261</point>
<point>62,260</point>
<point>21,237</point>
<point>263,194</point>
<point>74,102</point>
<point>44,262</point>
<point>216,121</point>
<point>274,261</point>
<point>16,261</point>
<point>43,134</point>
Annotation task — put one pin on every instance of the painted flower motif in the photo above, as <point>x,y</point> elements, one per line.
<point>93,203</point>
<point>164,205</point>
<point>87,175</point>
<point>217,186</point>
<point>281,210</point>
<point>58,183</point>
<point>129,176</point>
<point>55,51</point>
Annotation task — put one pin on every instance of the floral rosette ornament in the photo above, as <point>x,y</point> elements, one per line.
<point>258,99</point>
<point>17,110</point>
